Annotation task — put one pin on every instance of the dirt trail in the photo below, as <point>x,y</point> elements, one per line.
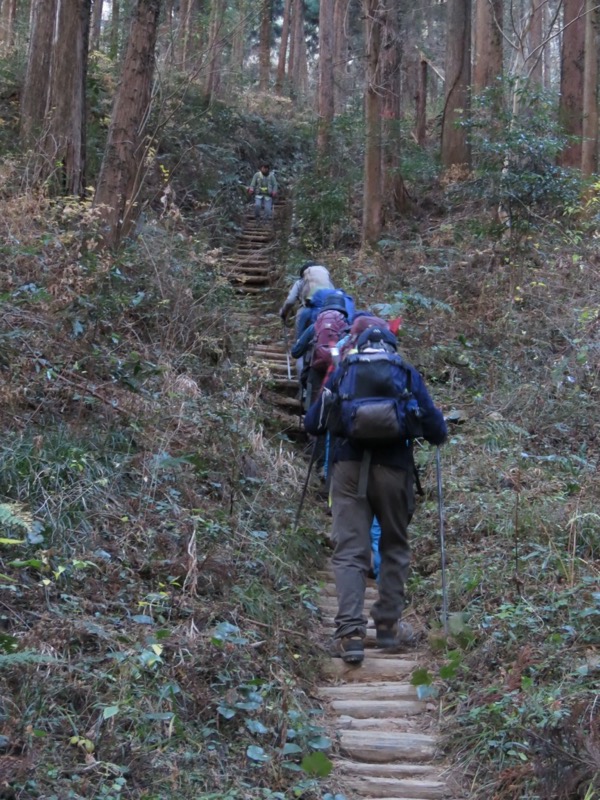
<point>387,738</point>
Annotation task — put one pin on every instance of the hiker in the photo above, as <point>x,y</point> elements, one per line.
<point>375,404</point>
<point>264,188</point>
<point>314,347</point>
<point>313,277</point>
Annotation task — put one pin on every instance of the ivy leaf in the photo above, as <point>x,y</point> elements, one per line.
<point>317,765</point>
<point>256,753</point>
<point>254,726</point>
<point>290,748</point>
<point>421,677</point>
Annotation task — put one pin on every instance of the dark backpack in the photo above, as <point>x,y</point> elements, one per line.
<point>322,297</point>
<point>330,327</point>
<point>372,401</point>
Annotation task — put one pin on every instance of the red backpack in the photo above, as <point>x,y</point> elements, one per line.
<point>330,327</point>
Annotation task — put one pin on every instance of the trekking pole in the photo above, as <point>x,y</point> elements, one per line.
<point>438,465</point>
<point>287,350</point>
<point>313,458</point>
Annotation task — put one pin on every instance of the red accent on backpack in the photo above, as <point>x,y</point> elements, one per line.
<point>330,326</point>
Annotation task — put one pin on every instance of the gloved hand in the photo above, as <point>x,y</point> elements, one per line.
<point>273,194</point>
<point>283,312</point>
<point>250,190</point>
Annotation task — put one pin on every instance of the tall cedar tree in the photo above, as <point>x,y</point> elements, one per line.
<point>264,46</point>
<point>96,24</point>
<point>283,46</point>
<point>589,149</point>
<point>372,201</point>
<point>572,60</point>
<point>325,91</point>
<point>63,143</point>
<point>122,167</point>
<point>395,196</point>
<point>487,66</point>
<point>455,147</point>
<point>37,76</point>
<point>8,15</point>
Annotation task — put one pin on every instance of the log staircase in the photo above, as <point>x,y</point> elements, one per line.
<point>387,745</point>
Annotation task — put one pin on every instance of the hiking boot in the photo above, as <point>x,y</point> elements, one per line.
<point>350,649</point>
<point>394,634</point>
<point>386,634</point>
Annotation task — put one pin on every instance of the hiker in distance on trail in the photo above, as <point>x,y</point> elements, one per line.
<point>374,404</point>
<point>264,188</point>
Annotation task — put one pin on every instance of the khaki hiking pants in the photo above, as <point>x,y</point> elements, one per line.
<point>390,497</point>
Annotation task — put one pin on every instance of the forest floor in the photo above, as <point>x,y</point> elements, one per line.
<point>159,612</point>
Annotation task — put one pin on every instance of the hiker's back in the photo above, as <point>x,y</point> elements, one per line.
<point>330,326</point>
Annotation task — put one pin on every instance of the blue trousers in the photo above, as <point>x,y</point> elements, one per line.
<point>263,201</point>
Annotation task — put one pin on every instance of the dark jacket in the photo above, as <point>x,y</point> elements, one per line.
<point>397,454</point>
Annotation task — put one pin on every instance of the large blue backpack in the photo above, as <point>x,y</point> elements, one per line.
<point>322,296</point>
<point>372,402</point>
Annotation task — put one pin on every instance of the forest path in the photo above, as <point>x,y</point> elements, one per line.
<point>386,736</point>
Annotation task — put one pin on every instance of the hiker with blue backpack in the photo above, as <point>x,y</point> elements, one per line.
<point>313,278</point>
<point>374,404</point>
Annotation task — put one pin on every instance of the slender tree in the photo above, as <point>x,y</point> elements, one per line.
<point>64,131</point>
<point>8,15</point>
<point>487,65</point>
<point>421,104</point>
<point>535,60</point>
<point>264,47</point>
<point>589,150</point>
<point>122,167</point>
<point>283,46</point>
<point>395,196</point>
<point>297,67</point>
<point>96,24</point>
<point>115,24</point>
<point>215,44</point>
<point>571,80</point>
<point>340,54</point>
<point>372,201</point>
<point>325,104</point>
<point>455,147</point>
<point>238,43</point>
<point>37,76</point>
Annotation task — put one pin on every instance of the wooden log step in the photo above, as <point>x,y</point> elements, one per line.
<point>398,771</point>
<point>422,788</point>
<point>329,590</point>
<point>377,709</point>
<point>246,269</point>
<point>383,690</point>
<point>385,746</point>
<point>249,277</point>
<point>347,723</point>
<point>384,669</point>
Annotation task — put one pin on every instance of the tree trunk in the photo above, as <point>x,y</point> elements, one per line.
<point>115,24</point>
<point>238,44</point>
<point>122,167</point>
<point>589,149</point>
<point>487,65</point>
<point>37,76</point>
<point>325,108</point>
<point>214,49</point>
<point>571,80</point>
<point>535,61</point>
<point>8,14</point>
<point>264,57</point>
<point>283,47</point>
<point>372,206</point>
<point>340,54</point>
<point>297,58</point>
<point>64,137</point>
<point>455,147</point>
<point>421,110</point>
<point>395,196</point>
<point>96,24</point>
